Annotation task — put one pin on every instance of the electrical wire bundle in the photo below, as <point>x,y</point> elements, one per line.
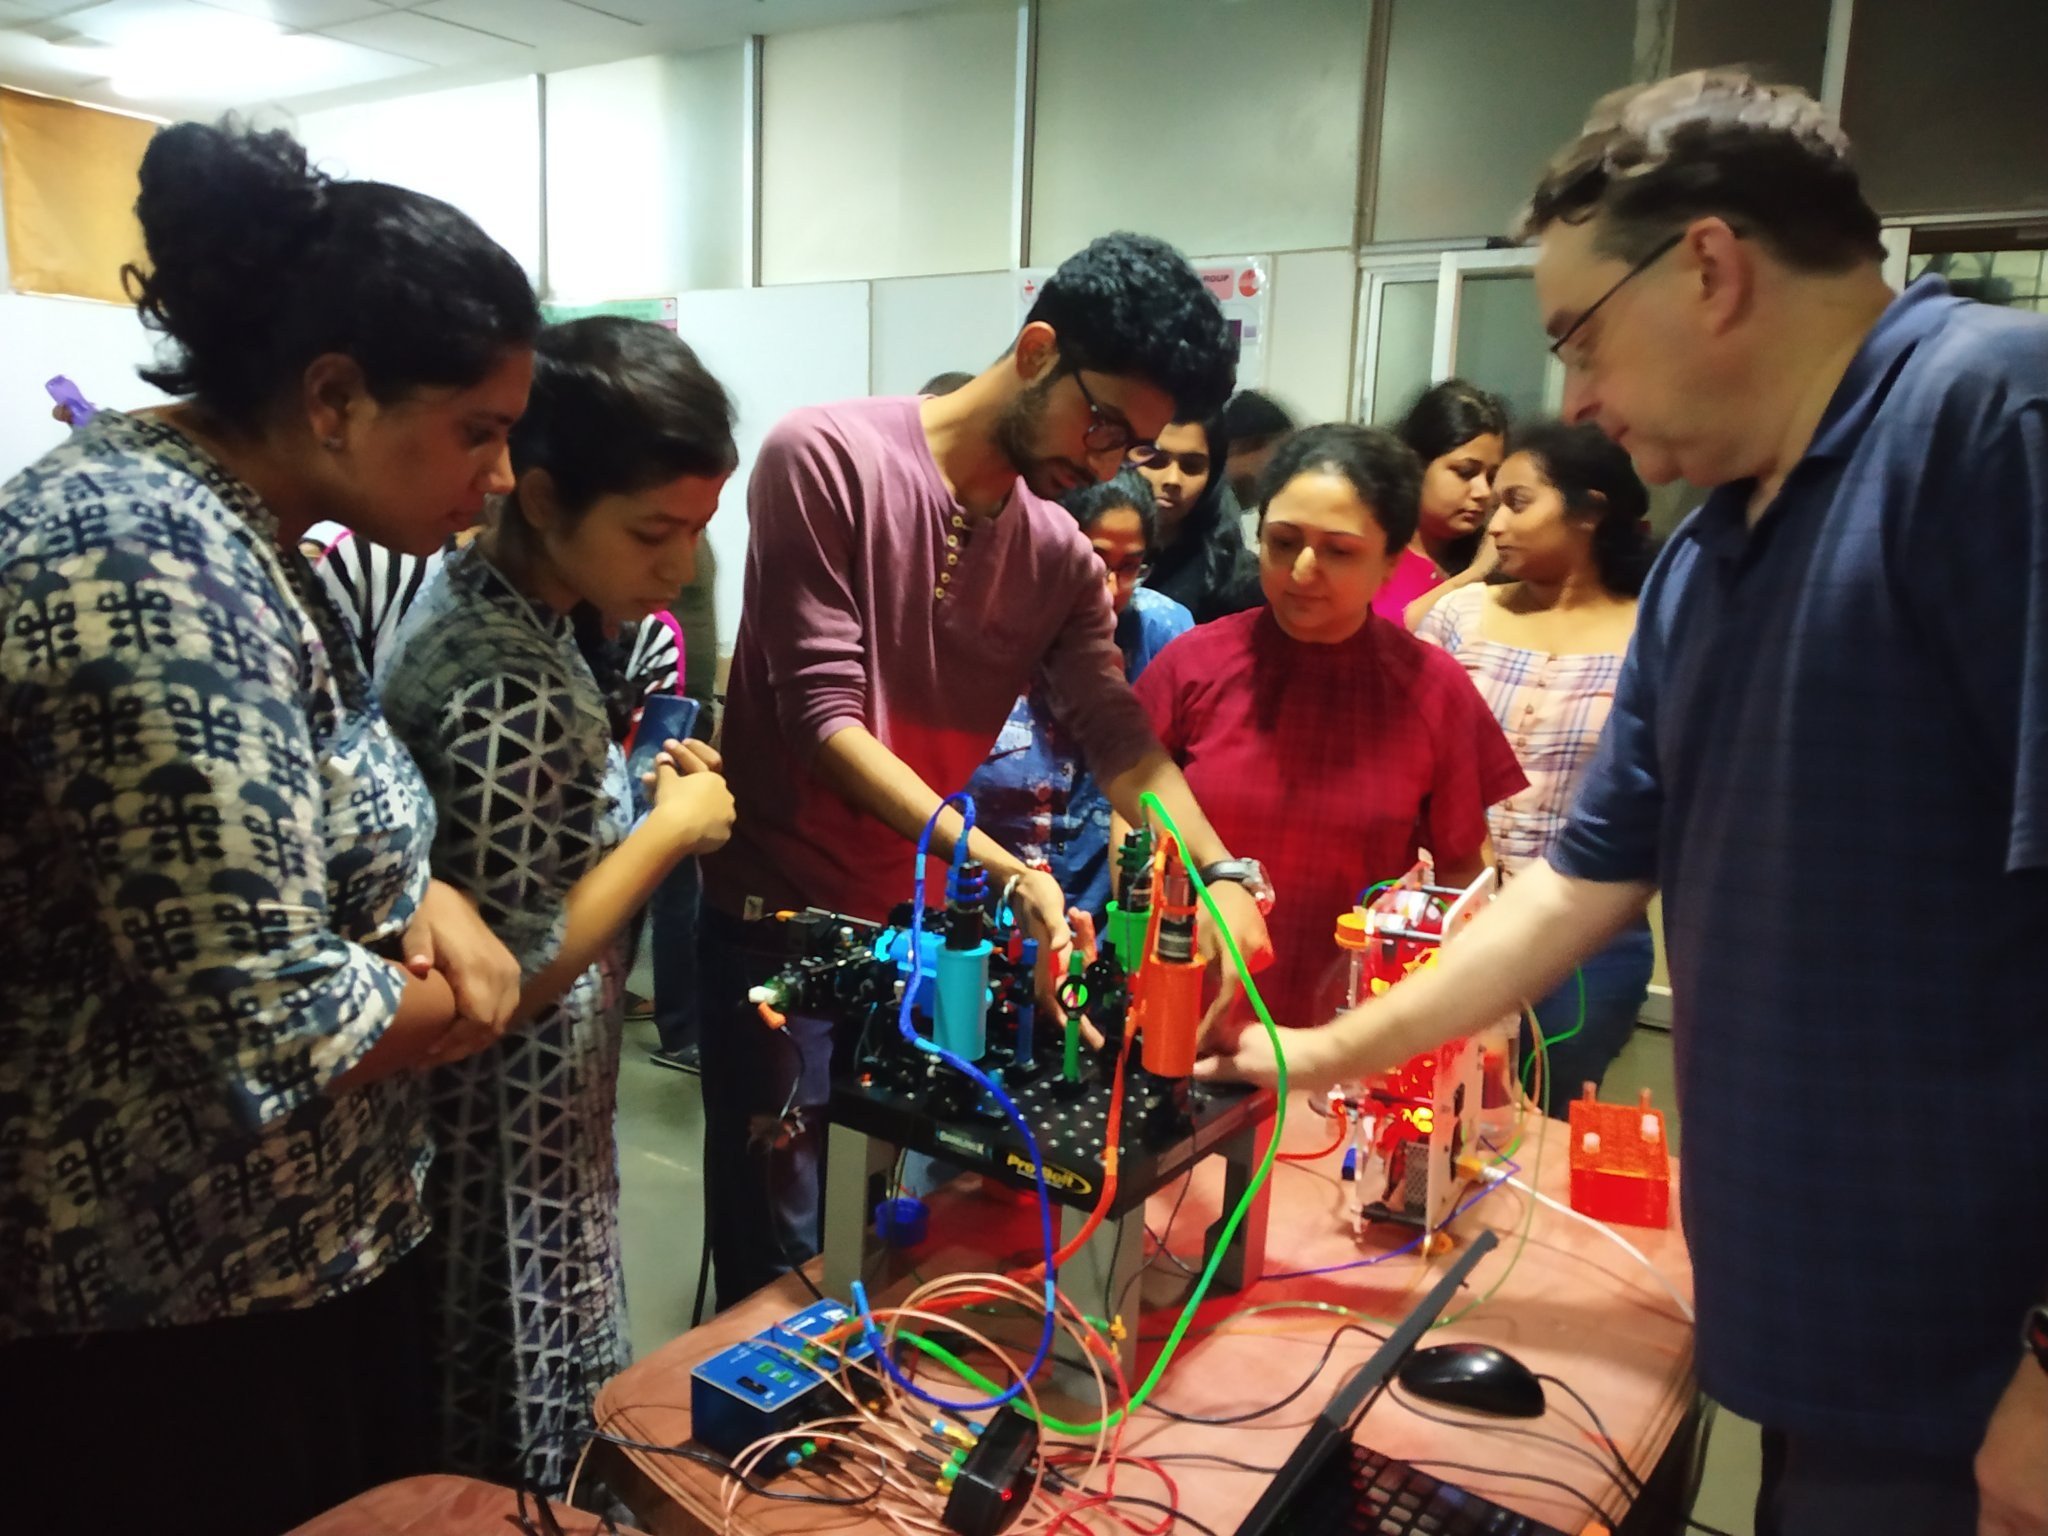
<point>899,1446</point>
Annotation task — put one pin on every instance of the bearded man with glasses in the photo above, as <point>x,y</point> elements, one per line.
<point>909,575</point>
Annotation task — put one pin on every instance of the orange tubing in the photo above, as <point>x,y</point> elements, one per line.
<point>1343,1134</point>
<point>1112,1138</point>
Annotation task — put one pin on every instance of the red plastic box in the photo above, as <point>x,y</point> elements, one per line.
<point>1621,1163</point>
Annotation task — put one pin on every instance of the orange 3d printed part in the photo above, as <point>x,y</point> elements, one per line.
<point>1621,1165</point>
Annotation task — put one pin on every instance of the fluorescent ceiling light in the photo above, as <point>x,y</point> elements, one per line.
<point>196,53</point>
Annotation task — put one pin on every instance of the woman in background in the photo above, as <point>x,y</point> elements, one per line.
<point>1200,559</point>
<point>1323,741</point>
<point>1456,430</point>
<point>1545,649</point>
<point>619,460</point>
<point>1035,795</point>
<point>222,954</point>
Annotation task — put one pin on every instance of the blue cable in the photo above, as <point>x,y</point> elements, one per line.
<point>1008,1106</point>
<point>1391,1253</point>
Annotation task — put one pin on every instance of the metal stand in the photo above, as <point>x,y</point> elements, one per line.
<point>1101,1278</point>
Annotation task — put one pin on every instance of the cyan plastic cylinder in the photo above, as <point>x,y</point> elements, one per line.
<point>898,953</point>
<point>962,1023</point>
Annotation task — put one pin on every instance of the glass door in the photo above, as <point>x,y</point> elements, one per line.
<point>1426,315</point>
<point>1489,330</point>
<point>1396,334</point>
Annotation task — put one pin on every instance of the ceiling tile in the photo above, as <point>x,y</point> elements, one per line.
<point>36,10</point>
<point>305,15</point>
<point>111,21</point>
<point>429,40</point>
<point>544,23</point>
<point>661,13</point>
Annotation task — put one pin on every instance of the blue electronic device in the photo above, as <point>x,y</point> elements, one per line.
<point>764,1386</point>
<point>662,717</point>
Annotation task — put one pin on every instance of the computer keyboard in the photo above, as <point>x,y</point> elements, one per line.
<point>1384,1497</point>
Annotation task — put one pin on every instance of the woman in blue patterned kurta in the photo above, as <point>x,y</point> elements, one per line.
<point>213,859</point>
<point>494,684</point>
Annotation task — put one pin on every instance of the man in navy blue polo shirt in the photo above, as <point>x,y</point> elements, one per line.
<point>1829,749</point>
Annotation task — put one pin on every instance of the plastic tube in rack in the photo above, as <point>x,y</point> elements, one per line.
<point>961,1024</point>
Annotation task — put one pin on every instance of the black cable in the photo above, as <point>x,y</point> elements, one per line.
<point>1491,1426</point>
<point>804,1275</point>
<point>1116,1249</point>
<point>1066,1484</point>
<point>1600,1426</point>
<point>714,1460</point>
<point>1181,1515</point>
<point>541,1521</point>
<point>703,1280</point>
<point>1329,1350</point>
<point>1691,1523</point>
<point>1227,1461</point>
<point>1172,1216</point>
<point>1186,1184</point>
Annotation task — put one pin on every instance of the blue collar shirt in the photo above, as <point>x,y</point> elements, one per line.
<point>1829,747</point>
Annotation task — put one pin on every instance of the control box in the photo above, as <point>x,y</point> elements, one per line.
<point>765,1386</point>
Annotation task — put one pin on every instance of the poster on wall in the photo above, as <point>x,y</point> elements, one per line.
<point>1242,285</point>
<point>660,311</point>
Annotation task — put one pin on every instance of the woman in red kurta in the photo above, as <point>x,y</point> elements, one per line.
<point>1323,740</point>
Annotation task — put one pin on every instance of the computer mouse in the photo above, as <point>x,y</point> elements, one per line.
<point>1474,1376</point>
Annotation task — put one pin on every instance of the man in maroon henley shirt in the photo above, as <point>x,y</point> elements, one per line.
<point>907,577</point>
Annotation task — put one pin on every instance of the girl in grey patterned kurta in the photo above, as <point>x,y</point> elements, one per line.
<point>620,457</point>
<point>212,851</point>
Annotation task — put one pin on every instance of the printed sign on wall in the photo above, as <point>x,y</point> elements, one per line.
<point>1242,285</point>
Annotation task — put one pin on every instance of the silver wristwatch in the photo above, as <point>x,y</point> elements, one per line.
<point>1249,873</point>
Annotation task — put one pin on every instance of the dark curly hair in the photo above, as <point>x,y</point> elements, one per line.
<point>1131,305</point>
<point>1597,480</point>
<point>1381,468</point>
<point>1254,417</point>
<point>258,264</point>
<point>620,406</point>
<point>1767,158</point>
<point>1127,490</point>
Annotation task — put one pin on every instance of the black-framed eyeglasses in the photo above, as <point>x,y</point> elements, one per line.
<point>1127,572</point>
<point>1662,249</point>
<point>1107,432</point>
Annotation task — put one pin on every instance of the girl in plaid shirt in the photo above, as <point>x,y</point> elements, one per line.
<point>1544,649</point>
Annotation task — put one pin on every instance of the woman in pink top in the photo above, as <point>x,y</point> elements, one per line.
<point>1456,430</point>
<point>1544,650</point>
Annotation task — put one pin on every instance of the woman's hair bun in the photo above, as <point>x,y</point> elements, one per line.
<point>225,213</point>
<point>259,264</point>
